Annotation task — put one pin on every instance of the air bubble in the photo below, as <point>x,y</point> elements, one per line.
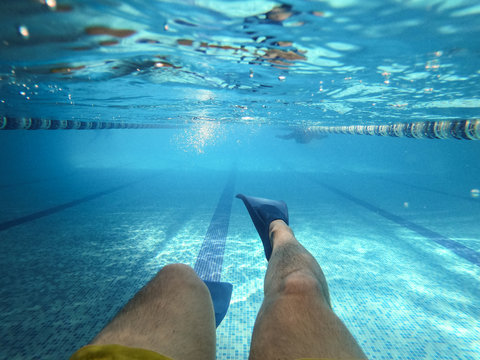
<point>23,31</point>
<point>51,3</point>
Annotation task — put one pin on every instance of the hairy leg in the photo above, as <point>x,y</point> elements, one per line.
<point>172,315</point>
<point>296,319</point>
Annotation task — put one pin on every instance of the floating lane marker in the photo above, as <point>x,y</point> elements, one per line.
<point>467,129</point>
<point>446,129</point>
<point>457,248</point>
<point>210,258</point>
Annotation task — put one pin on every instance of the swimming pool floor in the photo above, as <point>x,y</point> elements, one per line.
<point>98,236</point>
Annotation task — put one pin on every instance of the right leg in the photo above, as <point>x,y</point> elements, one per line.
<point>296,319</point>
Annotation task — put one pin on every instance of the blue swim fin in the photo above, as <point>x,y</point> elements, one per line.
<point>263,212</point>
<point>221,293</point>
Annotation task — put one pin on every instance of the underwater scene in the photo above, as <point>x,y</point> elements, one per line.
<point>127,128</point>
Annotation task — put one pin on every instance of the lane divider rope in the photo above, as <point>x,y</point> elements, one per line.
<point>445,129</point>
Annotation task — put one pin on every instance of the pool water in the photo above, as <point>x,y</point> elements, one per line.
<point>401,293</point>
<point>87,217</point>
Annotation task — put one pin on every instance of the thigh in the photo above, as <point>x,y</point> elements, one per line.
<point>294,326</point>
<point>172,315</point>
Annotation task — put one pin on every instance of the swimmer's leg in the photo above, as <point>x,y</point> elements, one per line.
<point>172,315</point>
<point>296,319</point>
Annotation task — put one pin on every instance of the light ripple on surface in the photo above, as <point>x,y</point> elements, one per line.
<point>238,51</point>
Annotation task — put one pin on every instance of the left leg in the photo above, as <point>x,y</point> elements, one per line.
<point>172,315</point>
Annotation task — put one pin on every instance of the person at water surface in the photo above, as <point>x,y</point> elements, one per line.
<point>172,317</point>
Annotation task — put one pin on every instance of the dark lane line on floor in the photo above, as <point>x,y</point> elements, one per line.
<point>39,181</point>
<point>39,214</point>
<point>434,191</point>
<point>457,248</point>
<point>210,257</point>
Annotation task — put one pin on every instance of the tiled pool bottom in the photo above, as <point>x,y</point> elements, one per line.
<point>66,274</point>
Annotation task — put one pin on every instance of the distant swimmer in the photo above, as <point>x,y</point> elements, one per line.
<point>302,136</point>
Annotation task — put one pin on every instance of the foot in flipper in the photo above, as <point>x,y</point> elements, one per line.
<point>263,212</point>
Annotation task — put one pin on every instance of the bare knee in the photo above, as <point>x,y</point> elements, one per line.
<point>181,277</point>
<point>305,286</point>
<point>177,270</point>
<point>299,283</point>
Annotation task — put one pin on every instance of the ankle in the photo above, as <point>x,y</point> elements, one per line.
<point>279,231</point>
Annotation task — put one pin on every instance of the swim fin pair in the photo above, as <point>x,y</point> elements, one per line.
<point>263,212</point>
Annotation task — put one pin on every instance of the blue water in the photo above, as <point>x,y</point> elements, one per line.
<point>88,217</point>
